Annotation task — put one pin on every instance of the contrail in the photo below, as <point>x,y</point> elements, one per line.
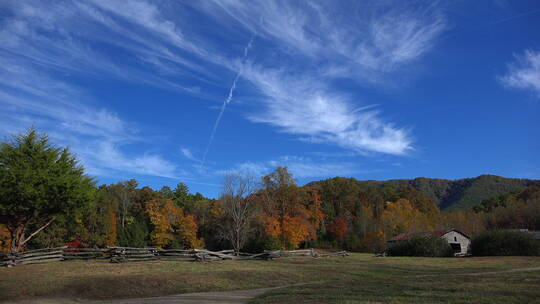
<point>226,101</point>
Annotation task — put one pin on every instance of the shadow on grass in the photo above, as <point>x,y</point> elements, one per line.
<point>507,288</point>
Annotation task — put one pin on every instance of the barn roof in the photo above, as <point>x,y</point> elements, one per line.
<point>408,236</point>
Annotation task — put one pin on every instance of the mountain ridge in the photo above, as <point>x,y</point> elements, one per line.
<point>458,194</point>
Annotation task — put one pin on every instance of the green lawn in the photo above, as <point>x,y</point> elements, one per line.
<point>359,278</point>
<point>359,287</point>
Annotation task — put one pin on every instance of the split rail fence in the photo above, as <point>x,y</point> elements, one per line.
<point>130,254</point>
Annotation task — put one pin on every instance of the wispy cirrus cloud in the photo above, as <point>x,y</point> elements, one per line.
<point>302,106</point>
<point>300,167</point>
<point>322,47</point>
<point>396,38</point>
<point>303,167</point>
<point>107,156</point>
<point>96,135</point>
<point>69,37</point>
<point>524,73</point>
<point>248,168</point>
<point>364,39</point>
<point>304,49</point>
<point>188,154</point>
<point>43,43</point>
<point>283,21</point>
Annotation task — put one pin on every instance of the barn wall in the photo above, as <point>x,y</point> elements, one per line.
<point>456,237</point>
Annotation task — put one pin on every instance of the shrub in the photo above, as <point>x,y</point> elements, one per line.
<point>323,243</point>
<point>353,242</point>
<point>133,235</point>
<point>501,242</point>
<point>260,244</point>
<point>425,246</point>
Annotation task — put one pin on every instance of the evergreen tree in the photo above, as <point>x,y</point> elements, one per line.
<point>38,182</point>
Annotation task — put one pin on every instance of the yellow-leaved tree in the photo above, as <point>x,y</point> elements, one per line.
<point>402,216</point>
<point>171,227</point>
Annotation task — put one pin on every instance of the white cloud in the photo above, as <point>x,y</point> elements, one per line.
<point>397,38</point>
<point>302,106</point>
<point>380,40</point>
<point>303,167</point>
<point>107,155</point>
<point>326,45</point>
<point>305,48</point>
<point>149,17</point>
<point>300,167</point>
<point>67,37</point>
<point>188,154</point>
<point>42,42</point>
<point>248,168</point>
<point>29,97</point>
<point>524,73</point>
<point>282,21</point>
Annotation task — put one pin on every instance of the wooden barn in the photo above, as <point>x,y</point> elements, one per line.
<point>459,242</point>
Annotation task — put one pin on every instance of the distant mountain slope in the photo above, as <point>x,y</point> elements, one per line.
<point>462,194</point>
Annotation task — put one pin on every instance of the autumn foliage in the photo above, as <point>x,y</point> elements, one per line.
<point>111,235</point>
<point>273,212</point>
<point>339,228</point>
<point>5,242</point>
<point>337,212</point>
<point>402,216</point>
<point>171,226</point>
<point>334,213</point>
<point>290,213</point>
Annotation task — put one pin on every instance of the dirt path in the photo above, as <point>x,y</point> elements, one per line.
<point>480,273</point>
<point>223,297</point>
<point>237,296</point>
<point>242,296</point>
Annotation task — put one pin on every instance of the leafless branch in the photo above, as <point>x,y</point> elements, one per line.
<point>238,208</point>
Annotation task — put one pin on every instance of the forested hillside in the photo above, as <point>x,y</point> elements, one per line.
<point>460,194</point>
<point>47,200</point>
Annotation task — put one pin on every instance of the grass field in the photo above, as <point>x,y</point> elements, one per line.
<point>359,278</point>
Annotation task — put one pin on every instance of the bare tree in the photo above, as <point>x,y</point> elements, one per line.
<point>124,192</point>
<point>238,208</point>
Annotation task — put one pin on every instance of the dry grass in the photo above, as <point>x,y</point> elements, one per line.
<point>346,279</point>
<point>404,280</point>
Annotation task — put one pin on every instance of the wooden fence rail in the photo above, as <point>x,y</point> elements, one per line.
<point>33,257</point>
<point>130,254</point>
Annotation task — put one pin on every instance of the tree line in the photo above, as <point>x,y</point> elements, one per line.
<point>47,200</point>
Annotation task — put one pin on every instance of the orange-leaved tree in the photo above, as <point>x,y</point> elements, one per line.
<point>339,228</point>
<point>111,233</point>
<point>170,225</point>
<point>5,241</point>
<point>290,213</point>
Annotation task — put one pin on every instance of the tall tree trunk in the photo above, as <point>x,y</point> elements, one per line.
<point>18,235</point>
<point>282,223</point>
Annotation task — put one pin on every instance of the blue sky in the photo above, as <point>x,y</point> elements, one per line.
<point>170,91</point>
